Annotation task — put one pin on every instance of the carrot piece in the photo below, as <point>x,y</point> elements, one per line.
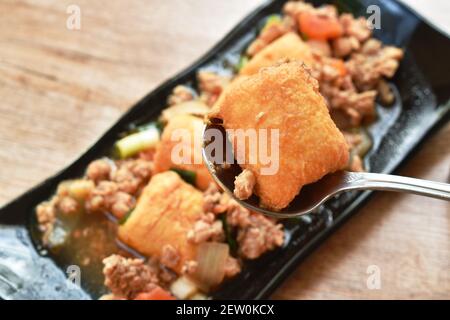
<point>339,65</point>
<point>156,294</point>
<point>319,27</point>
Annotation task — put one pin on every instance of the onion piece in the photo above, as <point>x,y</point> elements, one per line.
<point>136,142</point>
<point>211,258</point>
<point>199,296</point>
<point>183,288</point>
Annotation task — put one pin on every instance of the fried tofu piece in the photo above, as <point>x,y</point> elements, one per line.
<point>290,46</point>
<point>193,129</point>
<point>287,98</point>
<point>166,211</point>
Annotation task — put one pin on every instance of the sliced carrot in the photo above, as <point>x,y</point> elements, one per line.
<point>156,294</point>
<point>319,27</point>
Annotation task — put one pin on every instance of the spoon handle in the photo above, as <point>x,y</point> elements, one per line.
<point>386,182</point>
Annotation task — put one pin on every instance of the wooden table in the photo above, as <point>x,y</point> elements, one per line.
<point>60,89</point>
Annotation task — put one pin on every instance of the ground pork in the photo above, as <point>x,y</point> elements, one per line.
<point>180,94</point>
<point>132,175</point>
<point>211,86</point>
<point>207,229</point>
<point>355,27</point>
<point>169,256</point>
<point>343,46</point>
<point>215,201</point>
<point>127,277</point>
<point>270,33</point>
<point>244,184</point>
<point>353,141</point>
<point>46,217</point>
<point>320,47</point>
<point>107,197</point>
<point>385,93</point>
<point>99,170</point>
<point>256,234</point>
<point>109,187</point>
<point>189,267</point>
<point>294,8</point>
<point>367,69</point>
<point>118,194</point>
<point>232,267</point>
<point>68,206</point>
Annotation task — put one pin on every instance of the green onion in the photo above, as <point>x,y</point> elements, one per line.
<point>187,175</point>
<point>304,36</point>
<point>137,142</point>
<point>125,217</point>
<point>156,124</point>
<point>271,20</point>
<point>229,237</point>
<point>242,62</point>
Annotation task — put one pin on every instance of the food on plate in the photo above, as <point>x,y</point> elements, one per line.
<point>185,134</point>
<point>289,46</point>
<point>166,211</point>
<point>285,98</point>
<point>151,228</point>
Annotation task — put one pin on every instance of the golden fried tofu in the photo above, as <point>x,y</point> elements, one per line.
<point>192,131</point>
<point>290,46</point>
<point>287,98</point>
<point>165,212</point>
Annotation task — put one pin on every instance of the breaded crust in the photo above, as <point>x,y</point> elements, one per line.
<point>290,46</point>
<point>286,98</point>
<point>164,214</point>
<point>163,157</point>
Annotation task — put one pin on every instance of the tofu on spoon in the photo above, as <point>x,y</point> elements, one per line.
<point>283,97</point>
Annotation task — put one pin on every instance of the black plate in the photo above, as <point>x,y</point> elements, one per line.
<point>422,86</point>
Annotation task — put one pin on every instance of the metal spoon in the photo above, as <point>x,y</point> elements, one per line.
<point>315,194</point>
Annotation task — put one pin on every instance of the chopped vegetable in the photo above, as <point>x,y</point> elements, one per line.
<point>319,27</point>
<point>193,107</point>
<point>229,236</point>
<point>144,127</point>
<point>136,142</point>
<point>243,60</point>
<point>187,175</point>
<point>271,20</point>
<point>156,294</point>
<point>183,288</point>
<point>125,217</point>
<point>211,258</point>
<point>199,296</point>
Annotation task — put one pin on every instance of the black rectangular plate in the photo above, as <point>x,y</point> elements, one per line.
<point>422,87</point>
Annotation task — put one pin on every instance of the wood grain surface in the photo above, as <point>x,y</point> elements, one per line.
<point>60,89</point>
